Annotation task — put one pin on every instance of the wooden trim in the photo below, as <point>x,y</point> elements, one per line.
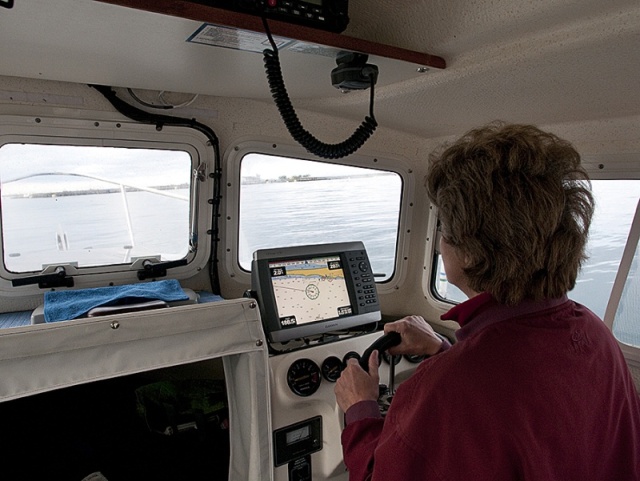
<point>204,13</point>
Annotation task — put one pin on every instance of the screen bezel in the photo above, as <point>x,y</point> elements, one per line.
<point>363,313</point>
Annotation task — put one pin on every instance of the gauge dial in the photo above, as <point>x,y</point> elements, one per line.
<point>415,358</point>
<point>387,358</point>
<point>350,355</point>
<point>418,358</point>
<point>303,377</point>
<point>331,368</point>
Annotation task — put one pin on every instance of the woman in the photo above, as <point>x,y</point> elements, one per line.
<point>535,387</point>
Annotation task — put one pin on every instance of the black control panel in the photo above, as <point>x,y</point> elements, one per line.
<point>300,469</point>
<point>364,283</point>
<point>297,441</point>
<point>331,15</point>
<point>309,291</point>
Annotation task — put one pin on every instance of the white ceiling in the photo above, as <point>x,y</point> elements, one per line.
<point>548,61</point>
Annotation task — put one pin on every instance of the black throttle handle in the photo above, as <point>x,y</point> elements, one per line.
<point>381,344</point>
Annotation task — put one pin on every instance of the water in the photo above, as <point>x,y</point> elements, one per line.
<point>342,210</point>
<point>93,229</point>
<point>616,202</point>
<point>272,215</point>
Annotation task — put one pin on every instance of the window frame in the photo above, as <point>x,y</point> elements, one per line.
<point>625,166</point>
<point>101,129</point>
<point>630,352</point>
<point>384,162</point>
<point>431,251</point>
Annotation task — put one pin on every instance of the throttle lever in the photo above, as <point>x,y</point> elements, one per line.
<point>381,344</point>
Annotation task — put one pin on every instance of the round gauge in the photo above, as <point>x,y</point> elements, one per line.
<point>387,358</point>
<point>303,377</point>
<point>415,358</point>
<point>312,291</point>
<point>350,355</point>
<point>331,368</point>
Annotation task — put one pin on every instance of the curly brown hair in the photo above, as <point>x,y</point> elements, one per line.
<point>517,204</point>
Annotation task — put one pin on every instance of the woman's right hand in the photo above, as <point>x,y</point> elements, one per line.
<point>418,337</point>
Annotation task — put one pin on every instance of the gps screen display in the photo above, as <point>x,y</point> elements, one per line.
<point>309,290</point>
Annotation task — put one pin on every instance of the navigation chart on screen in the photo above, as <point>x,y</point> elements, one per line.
<point>309,290</point>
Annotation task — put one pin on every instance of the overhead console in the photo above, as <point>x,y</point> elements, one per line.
<point>314,290</point>
<point>331,15</point>
<point>221,14</point>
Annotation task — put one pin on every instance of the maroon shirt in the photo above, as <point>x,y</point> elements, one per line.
<point>535,392</point>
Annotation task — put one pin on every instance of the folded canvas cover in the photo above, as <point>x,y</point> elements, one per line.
<point>45,357</point>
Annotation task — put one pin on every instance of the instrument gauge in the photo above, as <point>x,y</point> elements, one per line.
<point>303,377</point>
<point>350,355</point>
<point>331,368</point>
<point>386,357</point>
<point>415,358</point>
<point>418,358</point>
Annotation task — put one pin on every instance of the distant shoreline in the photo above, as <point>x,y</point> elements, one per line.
<point>253,180</point>
<point>67,193</point>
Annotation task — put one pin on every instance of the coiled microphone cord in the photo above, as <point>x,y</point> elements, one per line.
<point>290,118</point>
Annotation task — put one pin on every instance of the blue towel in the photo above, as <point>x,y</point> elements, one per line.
<point>66,305</point>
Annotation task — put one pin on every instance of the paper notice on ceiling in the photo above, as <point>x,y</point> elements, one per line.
<point>228,37</point>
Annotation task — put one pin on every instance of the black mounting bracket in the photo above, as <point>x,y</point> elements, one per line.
<point>158,269</point>
<point>46,281</point>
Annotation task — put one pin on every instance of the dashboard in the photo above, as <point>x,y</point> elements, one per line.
<point>304,407</point>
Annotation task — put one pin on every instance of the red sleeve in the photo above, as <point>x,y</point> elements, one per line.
<point>363,435</point>
<point>371,454</point>
<point>445,346</point>
<point>359,441</point>
<point>361,410</point>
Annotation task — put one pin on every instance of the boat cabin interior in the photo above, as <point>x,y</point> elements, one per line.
<point>166,165</point>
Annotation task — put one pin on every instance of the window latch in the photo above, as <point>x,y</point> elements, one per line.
<point>58,278</point>
<point>158,269</point>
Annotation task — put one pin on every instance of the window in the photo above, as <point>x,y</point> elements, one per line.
<point>622,310</point>
<point>99,198</point>
<point>616,202</point>
<point>287,201</point>
<point>91,206</point>
<point>625,325</point>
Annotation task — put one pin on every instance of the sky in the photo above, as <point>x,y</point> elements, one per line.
<point>145,167</point>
